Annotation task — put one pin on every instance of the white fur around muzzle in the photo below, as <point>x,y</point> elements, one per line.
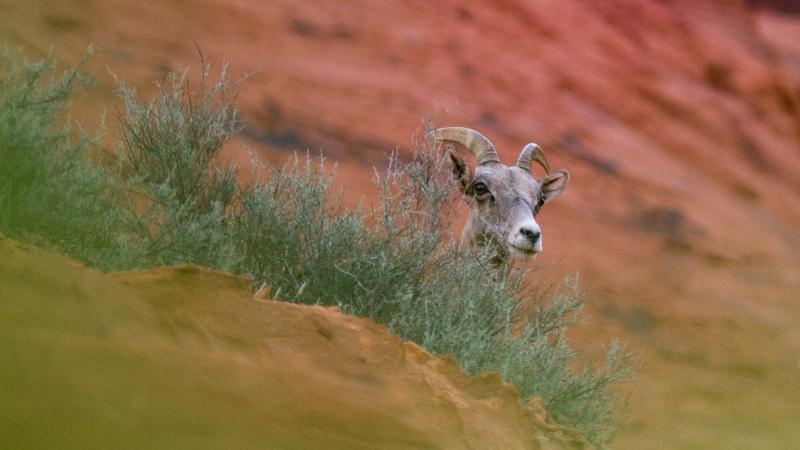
<point>520,244</point>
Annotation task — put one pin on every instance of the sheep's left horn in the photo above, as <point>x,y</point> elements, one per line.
<point>532,152</point>
<point>473,141</point>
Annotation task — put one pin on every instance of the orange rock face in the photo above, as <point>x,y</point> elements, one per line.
<point>186,358</point>
<point>679,121</point>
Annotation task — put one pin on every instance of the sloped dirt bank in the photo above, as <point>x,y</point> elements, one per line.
<point>185,357</point>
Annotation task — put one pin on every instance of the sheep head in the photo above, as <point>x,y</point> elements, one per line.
<point>504,200</point>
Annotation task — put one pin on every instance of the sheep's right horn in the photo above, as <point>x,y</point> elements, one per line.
<point>473,141</point>
<point>530,153</point>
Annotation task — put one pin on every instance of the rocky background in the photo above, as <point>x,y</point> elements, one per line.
<point>679,121</point>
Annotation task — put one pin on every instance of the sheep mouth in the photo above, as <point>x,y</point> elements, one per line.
<point>527,252</point>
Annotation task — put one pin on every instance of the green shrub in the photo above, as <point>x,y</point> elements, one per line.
<point>172,141</point>
<point>185,200</point>
<point>49,192</point>
<point>396,264</point>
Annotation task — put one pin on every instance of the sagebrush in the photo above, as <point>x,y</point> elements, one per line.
<point>396,263</point>
<point>50,193</point>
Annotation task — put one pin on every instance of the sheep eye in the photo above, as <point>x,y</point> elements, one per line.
<point>481,189</point>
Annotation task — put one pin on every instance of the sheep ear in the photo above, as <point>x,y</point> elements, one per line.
<point>461,171</point>
<point>554,184</point>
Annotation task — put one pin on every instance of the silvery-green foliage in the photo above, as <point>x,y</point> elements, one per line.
<point>49,192</point>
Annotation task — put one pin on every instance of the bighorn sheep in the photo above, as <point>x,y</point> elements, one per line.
<point>504,201</point>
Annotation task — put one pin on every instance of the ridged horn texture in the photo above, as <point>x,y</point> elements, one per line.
<point>473,141</point>
<point>530,153</point>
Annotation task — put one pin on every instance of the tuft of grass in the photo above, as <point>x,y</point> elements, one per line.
<point>171,142</point>
<point>396,264</point>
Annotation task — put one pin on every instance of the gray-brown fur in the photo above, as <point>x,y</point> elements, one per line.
<point>503,200</point>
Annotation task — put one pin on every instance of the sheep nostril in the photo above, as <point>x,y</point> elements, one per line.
<point>531,235</point>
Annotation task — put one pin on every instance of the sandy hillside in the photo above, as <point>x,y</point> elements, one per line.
<point>679,121</point>
<point>187,358</point>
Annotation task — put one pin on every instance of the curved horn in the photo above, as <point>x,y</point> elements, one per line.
<point>473,141</point>
<point>532,152</point>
